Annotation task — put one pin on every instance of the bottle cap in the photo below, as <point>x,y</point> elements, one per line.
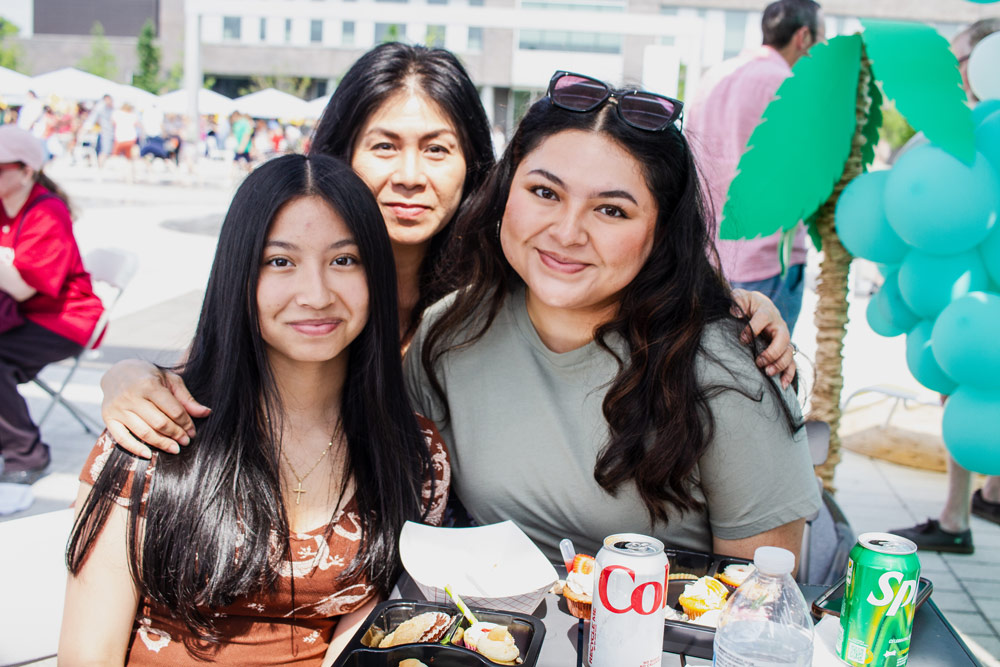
<point>774,561</point>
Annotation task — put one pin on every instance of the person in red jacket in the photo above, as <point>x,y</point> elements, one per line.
<point>41,269</point>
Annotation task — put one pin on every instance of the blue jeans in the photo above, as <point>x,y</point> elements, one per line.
<point>785,293</point>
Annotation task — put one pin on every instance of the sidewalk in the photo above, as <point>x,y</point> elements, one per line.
<point>172,229</point>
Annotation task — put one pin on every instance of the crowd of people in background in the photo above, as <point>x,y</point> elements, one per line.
<point>94,132</point>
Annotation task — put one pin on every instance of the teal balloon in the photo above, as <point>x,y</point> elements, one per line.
<point>928,283</point>
<point>984,109</point>
<point>861,223</point>
<point>990,253</point>
<point>938,204</point>
<point>988,140</point>
<point>971,429</point>
<point>885,269</point>
<point>921,362</point>
<point>878,322</point>
<point>893,309</point>
<point>964,340</point>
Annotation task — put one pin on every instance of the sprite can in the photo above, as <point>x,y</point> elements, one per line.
<point>879,601</point>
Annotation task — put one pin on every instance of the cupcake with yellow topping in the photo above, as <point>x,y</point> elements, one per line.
<point>703,595</point>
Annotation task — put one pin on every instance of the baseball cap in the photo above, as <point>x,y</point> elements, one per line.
<point>17,145</point>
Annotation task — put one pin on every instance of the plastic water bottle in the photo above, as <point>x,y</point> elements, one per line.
<point>766,622</point>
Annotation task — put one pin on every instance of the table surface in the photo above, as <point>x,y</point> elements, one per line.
<point>935,643</point>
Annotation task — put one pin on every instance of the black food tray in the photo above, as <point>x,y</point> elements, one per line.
<point>528,633</point>
<point>680,636</point>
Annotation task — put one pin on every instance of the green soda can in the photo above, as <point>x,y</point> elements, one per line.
<point>879,601</point>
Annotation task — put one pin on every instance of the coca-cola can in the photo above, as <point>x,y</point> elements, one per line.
<point>630,592</point>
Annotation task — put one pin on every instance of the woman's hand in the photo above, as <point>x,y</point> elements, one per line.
<point>146,406</point>
<point>347,625</point>
<point>766,322</point>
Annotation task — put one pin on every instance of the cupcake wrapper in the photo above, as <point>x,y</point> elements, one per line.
<point>579,609</point>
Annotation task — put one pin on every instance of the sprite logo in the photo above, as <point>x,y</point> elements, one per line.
<point>895,598</point>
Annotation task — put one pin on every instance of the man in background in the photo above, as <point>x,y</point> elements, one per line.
<point>719,121</point>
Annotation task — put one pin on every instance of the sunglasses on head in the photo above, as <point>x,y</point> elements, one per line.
<point>638,108</point>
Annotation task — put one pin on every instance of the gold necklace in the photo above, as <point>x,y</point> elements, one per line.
<point>298,490</point>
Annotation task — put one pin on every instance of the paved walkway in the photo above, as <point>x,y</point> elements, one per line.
<point>171,227</point>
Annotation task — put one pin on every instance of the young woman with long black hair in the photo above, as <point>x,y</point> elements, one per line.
<point>270,540</point>
<point>409,121</point>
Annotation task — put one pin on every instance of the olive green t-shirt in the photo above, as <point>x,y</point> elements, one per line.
<point>527,425</point>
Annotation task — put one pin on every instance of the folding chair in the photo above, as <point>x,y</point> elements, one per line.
<point>111,269</point>
<point>827,537</point>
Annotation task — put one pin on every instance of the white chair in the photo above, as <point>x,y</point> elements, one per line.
<point>110,270</point>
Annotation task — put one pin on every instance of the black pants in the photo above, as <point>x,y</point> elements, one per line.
<point>24,351</point>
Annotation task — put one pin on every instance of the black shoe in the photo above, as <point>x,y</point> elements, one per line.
<point>984,509</point>
<point>29,476</point>
<point>930,536</point>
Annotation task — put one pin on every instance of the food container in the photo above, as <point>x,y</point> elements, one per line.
<point>495,566</point>
<point>528,633</point>
<point>684,637</point>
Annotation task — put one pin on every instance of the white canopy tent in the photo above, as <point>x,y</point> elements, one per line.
<point>317,106</point>
<point>137,97</point>
<point>271,103</point>
<point>14,86</point>
<point>209,102</point>
<point>70,83</point>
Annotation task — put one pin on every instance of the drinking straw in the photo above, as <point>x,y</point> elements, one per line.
<point>568,552</point>
<point>460,604</point>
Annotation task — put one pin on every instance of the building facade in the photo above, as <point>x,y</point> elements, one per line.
<point>510,47</point>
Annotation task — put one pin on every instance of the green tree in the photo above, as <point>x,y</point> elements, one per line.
<point>817,135</point>
<point>10,51</point>
<point>148,75</point>
<point>100,60</point>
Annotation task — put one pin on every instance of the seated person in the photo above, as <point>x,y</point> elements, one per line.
<point>271,539</point>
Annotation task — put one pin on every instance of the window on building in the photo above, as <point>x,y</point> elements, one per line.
<point>347,34</point>
<point>391,0</point>
<point>231,27</point>
<point>736,31</point>
<point>435,36</point>
<point>475,3</point>
<point>565,40</point>
<point>475,39</point>
<point>576,5</point>
<point>437,2</point>
<point>288,31</point>
<point>390,32</point>
<point>669,10</point>
<point>263,30</point>
<point>316,31</point>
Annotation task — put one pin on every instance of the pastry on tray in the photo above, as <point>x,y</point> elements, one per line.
<point>735,574</point>
<point>493,642</point>
<point>423,628</point>
<point>703,595</point>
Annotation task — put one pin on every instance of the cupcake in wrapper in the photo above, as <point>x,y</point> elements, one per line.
<point>703,595</point>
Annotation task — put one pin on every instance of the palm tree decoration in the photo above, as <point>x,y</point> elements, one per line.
<point>817,135</point>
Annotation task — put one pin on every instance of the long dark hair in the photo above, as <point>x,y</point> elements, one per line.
<point>657,412</point>
<point>220,498</point>
<point>385,71</point>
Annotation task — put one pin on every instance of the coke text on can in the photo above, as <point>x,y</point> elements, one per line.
<point>630,591</point>
<point>876,619</point>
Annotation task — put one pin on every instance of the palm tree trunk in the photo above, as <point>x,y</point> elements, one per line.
<point>831,310</point>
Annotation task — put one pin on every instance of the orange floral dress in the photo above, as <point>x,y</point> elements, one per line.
<point>273,629</point>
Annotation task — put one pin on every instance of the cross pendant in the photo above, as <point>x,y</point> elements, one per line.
<point>298,490</point>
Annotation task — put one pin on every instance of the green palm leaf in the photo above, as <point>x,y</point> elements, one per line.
<point>920,73</point>
<point>797,153</point>
<point>872,126</point>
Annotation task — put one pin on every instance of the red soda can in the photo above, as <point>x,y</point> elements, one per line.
<point>630,592</point>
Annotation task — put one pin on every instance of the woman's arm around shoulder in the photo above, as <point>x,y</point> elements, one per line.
<point>144,405</point>
<point>101,598</point>
<point>346,627</point>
